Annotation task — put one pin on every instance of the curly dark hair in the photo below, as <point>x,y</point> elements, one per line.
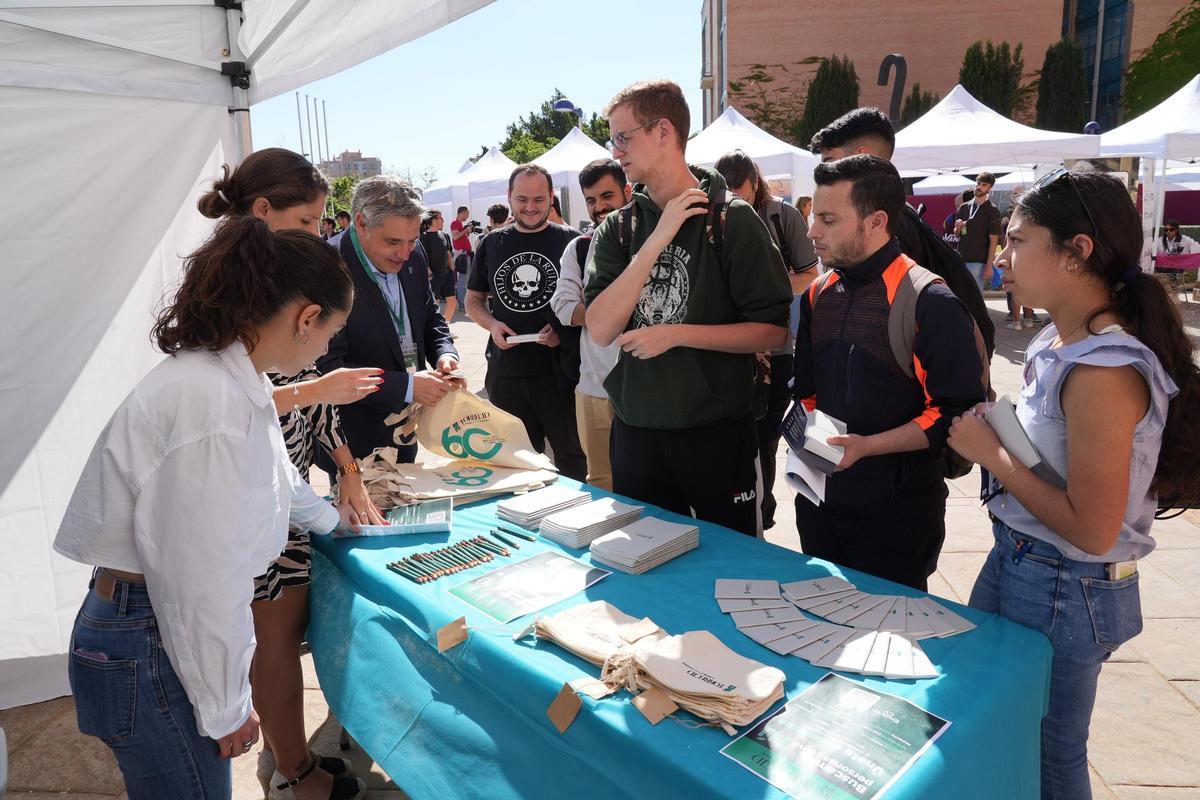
<point>241,277</point>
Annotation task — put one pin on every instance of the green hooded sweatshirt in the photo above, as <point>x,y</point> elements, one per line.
<point>691,284</point>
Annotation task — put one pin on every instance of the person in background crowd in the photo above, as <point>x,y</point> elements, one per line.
<point>441,268</point>
<point>186,497</point>
<point>885,506</point>
<point>328,227</point>
<point>395,323</point>
<point>978,229</point>
<point>804,206</point>
<point>287,192</point>
<point>556,211</point>
<point>1018,316</point>
<point>1065,556</point>
<point>950,223</point>
<point>688,314</point>
<point>460,233</point>
<point>1174,243</point>
<point>497,215</point>
<point>868,130</point>
<point>605,189</point>
<point>343,222</point>
<point>517,269</point>
<point>789,231</point>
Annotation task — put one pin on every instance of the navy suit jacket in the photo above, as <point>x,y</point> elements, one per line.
<point>370,340</point>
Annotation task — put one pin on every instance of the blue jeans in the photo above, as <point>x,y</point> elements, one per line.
<point>128,696</point>
<point>976,270</point>
<point>1085,616</point>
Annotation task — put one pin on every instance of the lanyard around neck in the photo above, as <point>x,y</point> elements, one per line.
<point>397,313</point>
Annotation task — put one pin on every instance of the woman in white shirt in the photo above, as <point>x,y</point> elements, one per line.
<point>185,498</point>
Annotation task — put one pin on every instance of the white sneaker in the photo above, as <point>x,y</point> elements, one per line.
<point>1027,322</point>
<point>1013,325</point>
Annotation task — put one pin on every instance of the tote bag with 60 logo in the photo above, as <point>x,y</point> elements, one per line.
<point>464,426</point>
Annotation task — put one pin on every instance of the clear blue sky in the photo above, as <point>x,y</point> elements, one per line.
<point>434,101</point>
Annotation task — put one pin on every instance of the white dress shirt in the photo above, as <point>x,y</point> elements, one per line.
<point>595,362</point>
<point>190,485</point>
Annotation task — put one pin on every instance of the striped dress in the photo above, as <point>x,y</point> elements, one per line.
<point>302,428</point>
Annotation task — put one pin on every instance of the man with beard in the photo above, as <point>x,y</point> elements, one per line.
<point>688,284</point>
<point>517,268</point>
<point>978,228</point>
<point>605,189</point>
<point>884,507</point>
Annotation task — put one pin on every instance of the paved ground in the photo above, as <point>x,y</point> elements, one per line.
<point>1145,731</point>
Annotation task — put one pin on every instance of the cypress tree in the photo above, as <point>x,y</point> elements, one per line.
<point>1062,88</point>
<point>832,92</point>
<point>992,74</point>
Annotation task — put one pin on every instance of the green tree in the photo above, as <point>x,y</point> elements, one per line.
<point>992,74</point>
<point>1062,88</point>
<point>832,92</point>
<point>916,104</point>
<point>340,193</point>
<point>772,109</point>
<point>546,127</point>
<point>1167,64</point>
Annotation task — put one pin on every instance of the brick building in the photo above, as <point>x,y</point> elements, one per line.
<point>353,163</point>
<point>932,35</point>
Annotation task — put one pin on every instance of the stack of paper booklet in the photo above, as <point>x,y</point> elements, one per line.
<point>643,545</point>
<point>528,510</point>
<point>868,634</point>
<point>581,525</point>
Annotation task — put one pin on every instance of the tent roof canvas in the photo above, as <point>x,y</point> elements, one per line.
<point>492,165</point>
<point>1169,130</point>
<point>961,130</point>
<point>732,131</point>
<point>563,161</point>
<point>949,183</point>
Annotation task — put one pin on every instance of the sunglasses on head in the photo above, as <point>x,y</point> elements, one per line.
<point>1064,174</point>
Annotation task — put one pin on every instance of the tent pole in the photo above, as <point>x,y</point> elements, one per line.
<point>325,117</point>
<point>240,105</point>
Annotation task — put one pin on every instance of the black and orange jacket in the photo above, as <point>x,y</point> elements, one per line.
<point>845,366</point>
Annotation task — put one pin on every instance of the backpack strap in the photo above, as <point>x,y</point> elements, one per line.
<point>582,245</point>
<point>905,284</point>
<point>714,222</point>
<point>785,247</point>
<point>626,222</point>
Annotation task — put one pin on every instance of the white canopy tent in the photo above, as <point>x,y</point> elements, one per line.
<point>563,162</point>
<point>116,116</point>
<point>492,165</point>
<point>1170,130</point>
<point>1020,177</point>
<point>949,183</point>
<point>961,130</point>
<point>775,157</point>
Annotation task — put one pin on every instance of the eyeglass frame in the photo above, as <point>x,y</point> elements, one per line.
<point>1062,172</point>
<point>620,139</point>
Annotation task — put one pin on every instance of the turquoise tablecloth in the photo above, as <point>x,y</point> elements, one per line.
<point>471,722</point>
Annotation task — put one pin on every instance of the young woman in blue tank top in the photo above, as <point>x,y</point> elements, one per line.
<point>1108,389</point>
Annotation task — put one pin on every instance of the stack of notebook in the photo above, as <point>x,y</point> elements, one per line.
<point>527,510</point>
<point>643,545</point>
<point>580,525</point>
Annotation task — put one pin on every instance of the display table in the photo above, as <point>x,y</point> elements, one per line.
<point>471,722</point>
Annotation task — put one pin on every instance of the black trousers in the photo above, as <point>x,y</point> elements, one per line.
<point>711,471</point>
<point>548,414</point>
<point>767,428</point>
<point>902,546</point>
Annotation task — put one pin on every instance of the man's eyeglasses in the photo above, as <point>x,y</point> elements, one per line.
<point>620,140</point>
<point>1062,173</point>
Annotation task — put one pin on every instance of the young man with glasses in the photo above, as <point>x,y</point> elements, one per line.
<point>688,284</point>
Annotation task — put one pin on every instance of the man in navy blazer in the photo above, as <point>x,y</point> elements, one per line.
<point>394,323</point>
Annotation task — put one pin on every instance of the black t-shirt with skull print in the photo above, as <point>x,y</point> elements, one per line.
<point>519,271</point>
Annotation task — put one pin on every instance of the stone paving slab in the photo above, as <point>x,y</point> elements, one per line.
<point>1144,732</point>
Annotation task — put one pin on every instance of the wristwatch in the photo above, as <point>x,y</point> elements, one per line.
<point>348,468</point>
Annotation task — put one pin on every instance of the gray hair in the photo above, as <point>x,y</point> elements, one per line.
<point>382,195</point>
